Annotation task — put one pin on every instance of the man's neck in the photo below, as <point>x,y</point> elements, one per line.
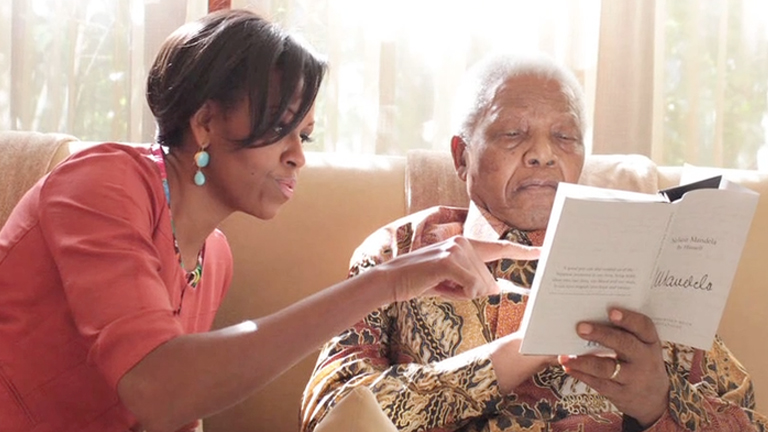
<point>482,225</point>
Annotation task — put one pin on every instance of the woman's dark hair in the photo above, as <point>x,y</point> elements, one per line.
<point>223,57</point>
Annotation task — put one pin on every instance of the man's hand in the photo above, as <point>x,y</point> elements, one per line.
<point>513,368</point>
<point>640,388</point>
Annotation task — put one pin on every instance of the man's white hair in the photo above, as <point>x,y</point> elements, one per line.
<point>481,81</point>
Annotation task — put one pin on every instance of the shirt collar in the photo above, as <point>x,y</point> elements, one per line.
<point>481,225</point>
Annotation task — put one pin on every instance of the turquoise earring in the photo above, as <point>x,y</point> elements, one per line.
<point>201,161</point>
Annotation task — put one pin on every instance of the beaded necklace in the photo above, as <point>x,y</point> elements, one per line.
<point>192,277</point>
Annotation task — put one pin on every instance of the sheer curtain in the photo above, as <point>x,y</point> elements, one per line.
<point>79,66</point>
<point>395,65</point>
<point>684,81</point>
<point>677,80</point>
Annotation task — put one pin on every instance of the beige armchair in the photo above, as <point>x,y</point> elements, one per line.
<point>24,158</point>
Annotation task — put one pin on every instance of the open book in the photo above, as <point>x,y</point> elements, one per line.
<point>671,255</point>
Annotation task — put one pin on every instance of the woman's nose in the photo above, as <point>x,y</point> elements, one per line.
<point>294,153</point>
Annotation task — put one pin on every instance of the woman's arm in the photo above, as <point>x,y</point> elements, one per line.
<point>194,376</point>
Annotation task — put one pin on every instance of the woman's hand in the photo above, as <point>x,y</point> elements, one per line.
<point>640,388</point>
<point>453,268</point>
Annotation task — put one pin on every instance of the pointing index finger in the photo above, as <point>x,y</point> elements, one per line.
<point>492,250</point>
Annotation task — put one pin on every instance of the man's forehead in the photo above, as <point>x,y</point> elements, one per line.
<point>519,107</point>
<point>528,80</point>
<point>522,90</point>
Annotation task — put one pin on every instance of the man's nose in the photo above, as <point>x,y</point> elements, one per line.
<point>540,153</point>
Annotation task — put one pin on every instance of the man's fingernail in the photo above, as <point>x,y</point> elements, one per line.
<point>584,329</point>
<point>616,315</point>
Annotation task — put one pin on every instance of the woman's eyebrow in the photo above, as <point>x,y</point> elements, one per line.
<point>274,111</point>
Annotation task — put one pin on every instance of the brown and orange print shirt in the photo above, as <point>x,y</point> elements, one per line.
<point>406,353</point>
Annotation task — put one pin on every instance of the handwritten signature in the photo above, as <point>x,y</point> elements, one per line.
<point>666,278</point>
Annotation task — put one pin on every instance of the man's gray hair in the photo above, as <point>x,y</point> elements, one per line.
<point>481,81</point>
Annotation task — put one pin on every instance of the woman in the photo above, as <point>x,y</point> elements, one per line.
<point>111,267</point>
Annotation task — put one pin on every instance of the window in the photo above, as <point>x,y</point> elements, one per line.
<point>79,66</point>
<point>680,81</point>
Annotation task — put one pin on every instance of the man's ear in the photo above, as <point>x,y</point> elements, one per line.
<point>200,124</point>
<point>459,153</point>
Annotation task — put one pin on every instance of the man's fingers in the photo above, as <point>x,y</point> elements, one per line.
<point>492,250</point>
<point>624,334</point>
<point>636,323</point>
<point>617,339</point>
<point>601,367</point>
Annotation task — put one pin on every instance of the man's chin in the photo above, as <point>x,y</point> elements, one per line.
<point>531,218</point>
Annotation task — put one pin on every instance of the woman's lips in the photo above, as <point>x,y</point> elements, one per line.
<point>287,186</point>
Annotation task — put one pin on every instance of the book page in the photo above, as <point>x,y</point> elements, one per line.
<point>599,251</point>
<point>697,263</point>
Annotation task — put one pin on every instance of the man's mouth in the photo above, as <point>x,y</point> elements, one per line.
<point>537,183</point>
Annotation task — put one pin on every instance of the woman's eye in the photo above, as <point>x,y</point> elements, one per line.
<point>305,138</point>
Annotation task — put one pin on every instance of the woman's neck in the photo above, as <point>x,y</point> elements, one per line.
<point>194,211</point>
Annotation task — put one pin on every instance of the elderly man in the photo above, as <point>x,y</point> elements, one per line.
<point>439,365</point>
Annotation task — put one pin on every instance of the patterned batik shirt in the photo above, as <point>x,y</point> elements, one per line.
<point>407,353</point>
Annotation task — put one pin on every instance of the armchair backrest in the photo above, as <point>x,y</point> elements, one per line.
<point>24,158</point>
<point>430,177</point>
